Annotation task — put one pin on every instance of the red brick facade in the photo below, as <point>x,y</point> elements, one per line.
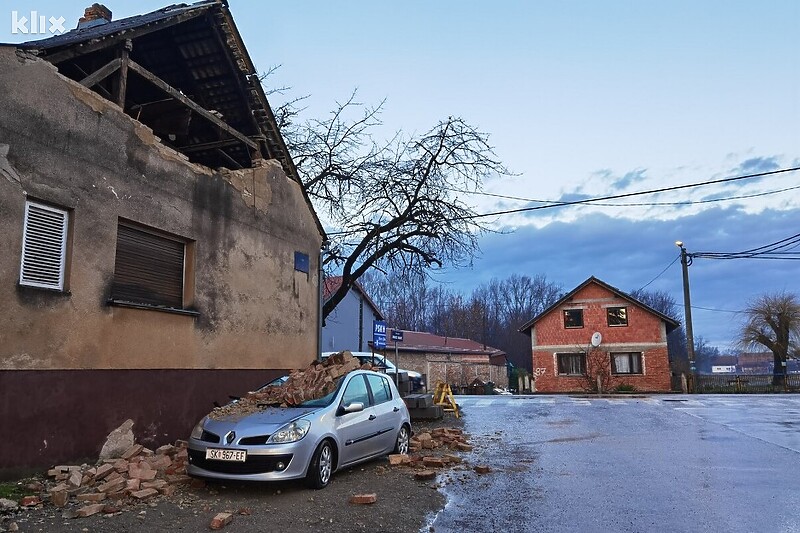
<point>639,347</point>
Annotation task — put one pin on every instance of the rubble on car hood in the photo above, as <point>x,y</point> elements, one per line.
<point>311,383</point>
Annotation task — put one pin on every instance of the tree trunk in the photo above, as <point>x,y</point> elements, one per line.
<point>778,371</point>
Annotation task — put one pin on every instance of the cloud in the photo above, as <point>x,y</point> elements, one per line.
<point>755,165</point>
<point>628,179</point>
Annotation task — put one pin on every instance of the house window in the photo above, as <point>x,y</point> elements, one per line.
<point>44,246</point>
<point>573,318</point>
<point>571,364</point>
<point>617,316</point>
<point>626,363</point>
<point>149,268</point>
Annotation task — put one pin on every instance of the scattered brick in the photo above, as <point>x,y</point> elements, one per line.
<point>112,486</point>
<point>75,478</point>
<point>433,462</point>
<point>425,475</point>
<point>482,469</point>
<point>364,499</point>
<point>167,449</point>
<point>90,510</point>
<point>221,520</point>
<point>133,450</point>
<point>464,447</point>
<point>59,498</point>
<point>103,471</point>
<point>144,493</point>
<point>91,497</point>
<point>397,459</point>
<point>30,501</point>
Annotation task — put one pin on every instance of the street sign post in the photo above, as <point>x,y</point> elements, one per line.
<point>379,334</point>
<point>397,336</point>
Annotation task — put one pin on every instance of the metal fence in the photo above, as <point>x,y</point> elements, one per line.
<point>743,384</point>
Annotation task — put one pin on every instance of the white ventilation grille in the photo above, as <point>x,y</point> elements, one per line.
<point>44,246</point>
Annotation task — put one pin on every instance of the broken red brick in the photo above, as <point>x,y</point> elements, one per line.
<point>364,499</point>
<point>90,510</point>
<point>482,469</point>
<point>221,520</point>
<point>59,498</point>
<point>133,450</point>
<point>103,471</point>
<point>30,501</point>
<point>91,497</point>
<point>424,475</point>
<point>144,493</point>
<point>434,462</point>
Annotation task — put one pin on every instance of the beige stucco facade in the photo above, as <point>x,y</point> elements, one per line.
<point>249,307</point>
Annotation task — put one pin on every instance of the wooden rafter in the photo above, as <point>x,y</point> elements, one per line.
<point>191,104</point>
<point>102,73</point>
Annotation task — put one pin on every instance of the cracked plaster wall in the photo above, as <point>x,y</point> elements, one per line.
<point>63,144</point>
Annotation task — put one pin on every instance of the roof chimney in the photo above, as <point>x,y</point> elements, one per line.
<point>95,15</point>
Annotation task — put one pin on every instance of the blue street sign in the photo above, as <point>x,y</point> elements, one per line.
<point>397,335</point>
<point>379,334</point>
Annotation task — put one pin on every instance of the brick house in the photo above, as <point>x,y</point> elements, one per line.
<point>159,251</point>
<point>457,362</point>
<point>349,326</point>
<point>632,350</point>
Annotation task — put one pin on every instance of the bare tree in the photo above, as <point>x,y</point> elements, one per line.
<point>397,205</point>
<point>773,321</point>
<point>665,303</point>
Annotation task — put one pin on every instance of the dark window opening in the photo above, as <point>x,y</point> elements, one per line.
<point>573,318</point>
<point>617,316</point>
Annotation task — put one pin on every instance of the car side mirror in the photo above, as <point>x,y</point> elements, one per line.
<point>352,407</point>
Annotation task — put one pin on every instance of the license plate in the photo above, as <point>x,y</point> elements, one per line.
<point>226,455</point>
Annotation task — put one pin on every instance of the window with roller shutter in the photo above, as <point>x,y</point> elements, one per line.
<point>44,246</point>
<point>149,268</point>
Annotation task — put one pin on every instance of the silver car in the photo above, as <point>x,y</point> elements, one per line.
<point>363,418</point>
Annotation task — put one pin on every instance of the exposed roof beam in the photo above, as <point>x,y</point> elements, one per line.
<point>175,93</point>
<point>101,73</point>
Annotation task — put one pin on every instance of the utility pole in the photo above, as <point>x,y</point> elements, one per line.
<point>686,260</point>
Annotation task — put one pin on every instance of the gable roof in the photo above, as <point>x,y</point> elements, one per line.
<point>332,284</point>
<point>420,341</point>
<point>206,100</point>
<point>671,323</point>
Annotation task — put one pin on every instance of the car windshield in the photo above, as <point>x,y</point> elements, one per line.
<point>325,400</point>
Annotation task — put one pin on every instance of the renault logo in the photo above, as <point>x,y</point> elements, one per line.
<point>230,436</point>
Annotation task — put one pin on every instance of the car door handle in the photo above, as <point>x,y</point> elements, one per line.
<point>396,409</point>
<point>372,417</point>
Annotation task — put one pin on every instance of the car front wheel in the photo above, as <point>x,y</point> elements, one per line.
<point>321,466</point>
<point>401,445</point>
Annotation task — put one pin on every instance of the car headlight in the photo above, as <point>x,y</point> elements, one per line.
<point>291,432</point>
<point>197,432</point>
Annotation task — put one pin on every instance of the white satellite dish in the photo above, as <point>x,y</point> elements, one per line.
<point>597,338</point>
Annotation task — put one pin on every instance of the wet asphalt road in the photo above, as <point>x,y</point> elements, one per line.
<point>660,463</point>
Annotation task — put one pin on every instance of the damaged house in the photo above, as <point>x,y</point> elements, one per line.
<point>159,252</point>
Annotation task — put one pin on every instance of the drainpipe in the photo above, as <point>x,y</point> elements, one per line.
<point>321,296</point>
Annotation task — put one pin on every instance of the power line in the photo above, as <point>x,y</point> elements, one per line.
<point>635,204</point>
<point>629,194</point>
<point>611,197</point>
<point>716,310</point>
<point>774,250</point>
<point>660,273</point>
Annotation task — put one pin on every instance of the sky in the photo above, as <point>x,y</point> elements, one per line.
<point>582,99</point>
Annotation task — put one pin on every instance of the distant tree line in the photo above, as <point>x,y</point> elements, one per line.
<point>494,311</point>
